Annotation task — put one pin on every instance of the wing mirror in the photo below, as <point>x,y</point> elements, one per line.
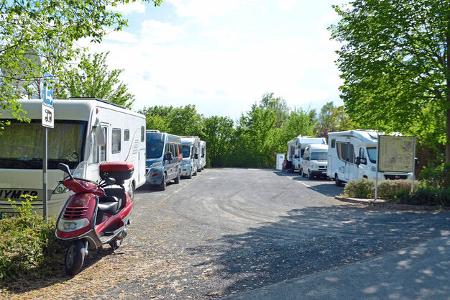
<point>65,168</point>
<point>168,156</point>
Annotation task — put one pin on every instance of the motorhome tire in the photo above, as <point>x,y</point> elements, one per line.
<point>337,181</point>
<point>308,175</point>
<point>163,184</point>
<point>74,257</point>
<point>177,179</point>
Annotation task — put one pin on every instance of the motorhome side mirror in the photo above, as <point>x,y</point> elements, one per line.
<point>196,156</point>
<point>358,160</point>
<point>296,156</point>
<point>168,156</point>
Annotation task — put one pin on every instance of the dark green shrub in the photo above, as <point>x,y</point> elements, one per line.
<point>436,177</point>
<point>362,188</point>
<point>444,197</point>
<point>394,189</point>
<point>28,246</point>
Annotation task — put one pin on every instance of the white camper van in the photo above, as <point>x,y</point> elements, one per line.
<point>202,158</point>
<point>86,132</point>
<point>314,162</point>
<point>353,155</point>
<point>190,146</point>
<point>296,148</point>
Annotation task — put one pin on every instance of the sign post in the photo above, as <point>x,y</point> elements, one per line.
<point>48,121</point>
<point>396,154</point>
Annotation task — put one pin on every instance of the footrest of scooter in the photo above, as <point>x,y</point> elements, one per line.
<point>109,235</point>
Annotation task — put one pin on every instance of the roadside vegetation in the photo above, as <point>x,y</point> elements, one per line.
<point>28,246</point>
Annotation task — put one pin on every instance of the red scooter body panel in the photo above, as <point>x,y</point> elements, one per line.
<point>83,186</point>
<point>79,206</point>
<point>116,219</point>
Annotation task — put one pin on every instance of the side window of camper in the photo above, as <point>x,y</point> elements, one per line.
<point>116,140</point>
<point>333,143</point>
<point>346,152</point>
<point>126,135</point>
<point>142,133</point>
<point>362,154</point>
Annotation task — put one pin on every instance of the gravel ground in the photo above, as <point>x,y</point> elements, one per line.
<point>232,230</point>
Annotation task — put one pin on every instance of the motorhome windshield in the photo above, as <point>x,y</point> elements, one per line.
<point>21,144</point>
<point>372,153</point>
<point>155,145</point>
<point>186,149</point>
<point>319,155</point>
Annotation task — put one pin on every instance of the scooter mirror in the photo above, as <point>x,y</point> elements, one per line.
<point>65,168</point>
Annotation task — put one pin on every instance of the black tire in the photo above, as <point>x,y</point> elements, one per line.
<point>300,172</point>
<point>190,176</point>
<point>177,179</point>
<point>308,175</point>
<point>74,257</point>
<point>337,181</point>
<point>163,183</point>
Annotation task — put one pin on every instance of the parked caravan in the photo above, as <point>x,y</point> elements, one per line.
<point>163,158</point>
<point>296,148</point>
<point>202,158</point>
<point>86,133</point>
<point>353,155</point>
<point>315,161</point>
<point>190,146</point>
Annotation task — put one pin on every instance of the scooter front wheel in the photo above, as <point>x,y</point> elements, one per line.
<point>74,257</point>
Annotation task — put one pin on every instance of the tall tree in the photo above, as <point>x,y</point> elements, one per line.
<point>219,134</point>
<point>332,118</point>
<point>38,37</point>
<point>395,62</point>
<point>92,78</point>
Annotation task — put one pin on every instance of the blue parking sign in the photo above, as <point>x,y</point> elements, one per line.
<point>47,91</point>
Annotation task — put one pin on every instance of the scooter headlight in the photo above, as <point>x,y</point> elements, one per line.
<point>72,225</point>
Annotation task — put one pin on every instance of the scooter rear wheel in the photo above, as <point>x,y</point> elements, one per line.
<point>74,257</point>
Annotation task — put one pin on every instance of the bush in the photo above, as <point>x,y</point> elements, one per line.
<point>428,196</point>
<point>436,177</point>
<point>362,188</point>
<point>28,246</point>
<point>394,189</point>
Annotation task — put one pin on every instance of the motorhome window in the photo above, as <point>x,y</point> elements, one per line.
<point>126,135</point>
<point>186,149</point>
<point>333,143</point>
<point>116,140</point>
<point>372,153</point>
<point>345,151</point>
<point>203,152</point>
<point>319,156</point>
<point>142,133</point>
<point>21,144</point>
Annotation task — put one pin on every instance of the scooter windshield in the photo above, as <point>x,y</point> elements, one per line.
<point>81,170</point>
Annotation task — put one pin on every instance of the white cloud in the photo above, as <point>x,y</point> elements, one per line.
<point>220,69</point>
<point>130,8</point>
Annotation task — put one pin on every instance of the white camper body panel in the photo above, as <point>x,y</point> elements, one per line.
<point>346,148</point>
<point>74,141</point>
<point>191,165</point>
<point>202,157</point>
<point>296,148</point>
<point>314,161</point>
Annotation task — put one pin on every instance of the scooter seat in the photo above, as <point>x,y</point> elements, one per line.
<point>109,207</point>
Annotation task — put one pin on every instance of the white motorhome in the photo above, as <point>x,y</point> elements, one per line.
<point>202,158</point>
<point>190,147</point>
<point>314,162</point>
<point>296,148</point>
<point>86,132</point>
<point>352,155</point>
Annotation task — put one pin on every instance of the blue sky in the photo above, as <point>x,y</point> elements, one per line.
<point>223,56</point>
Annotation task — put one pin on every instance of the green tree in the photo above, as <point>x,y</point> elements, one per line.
<point>92,78</point>
<point>332,118</point>
<point>219,134</point>
<point>395,62</point>
<point>38,37</point>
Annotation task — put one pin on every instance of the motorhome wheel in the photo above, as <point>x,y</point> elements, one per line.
<point>177,179</point>
<point>163,184</point>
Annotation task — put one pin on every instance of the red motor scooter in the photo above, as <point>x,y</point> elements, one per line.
<point>96,214</point>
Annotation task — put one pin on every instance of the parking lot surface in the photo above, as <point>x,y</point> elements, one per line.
<point>229,231</point>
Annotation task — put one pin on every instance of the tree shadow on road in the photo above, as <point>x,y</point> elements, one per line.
<point>313,239</point>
